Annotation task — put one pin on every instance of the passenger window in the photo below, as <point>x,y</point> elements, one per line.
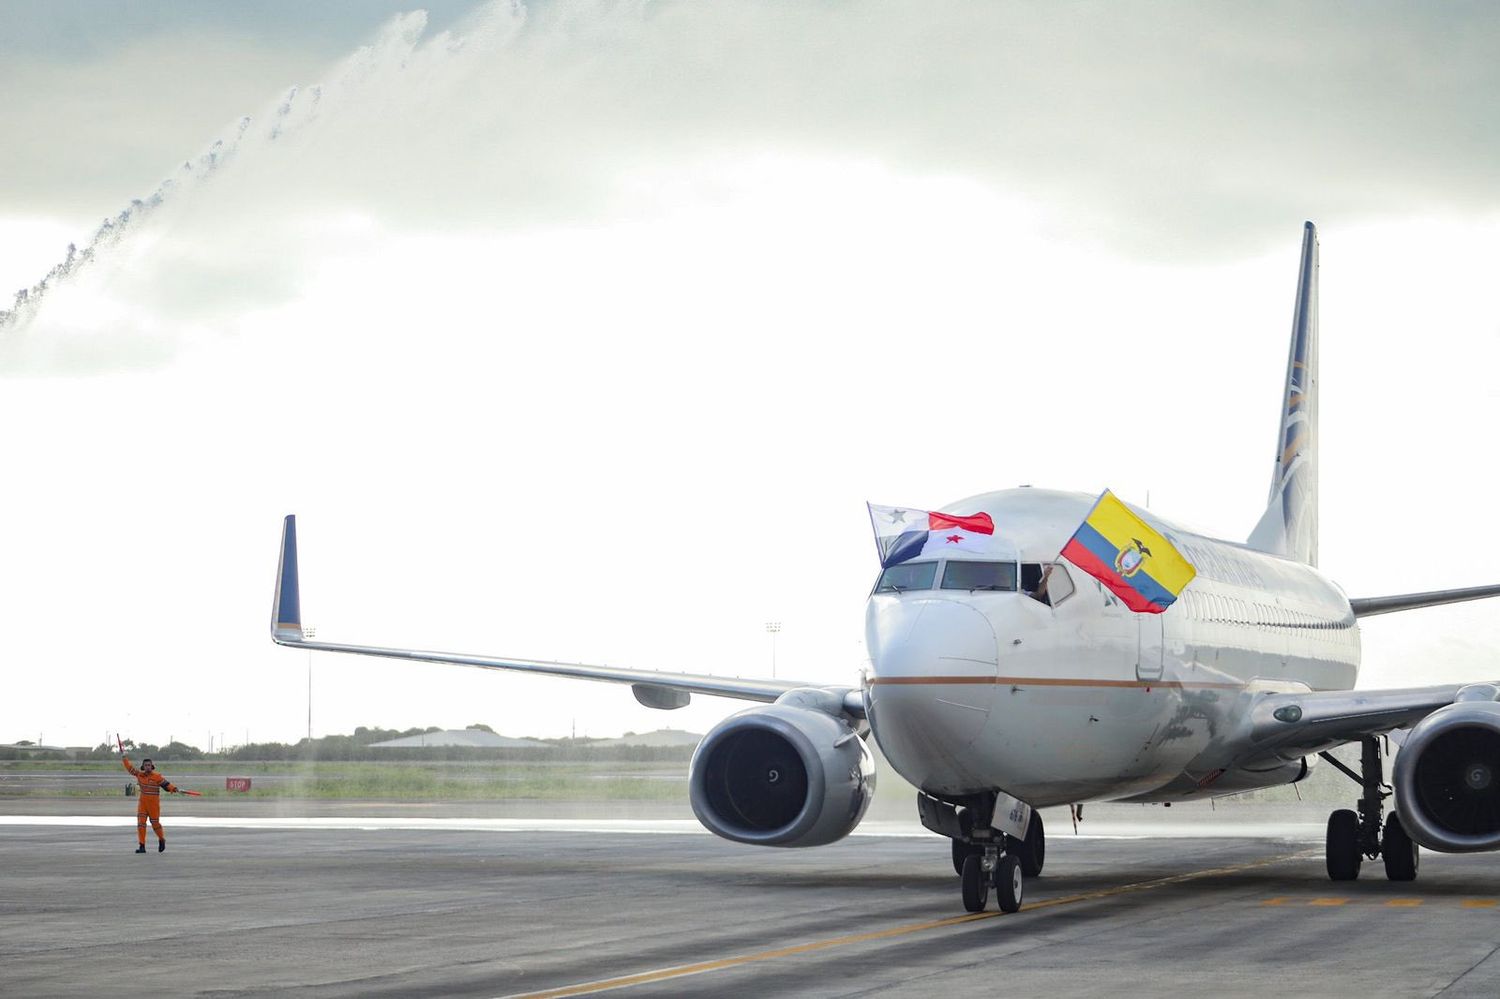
<point>907,576</point>
<point>966,575</point>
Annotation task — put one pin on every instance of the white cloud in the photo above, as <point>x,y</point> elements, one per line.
<point>498,312</point>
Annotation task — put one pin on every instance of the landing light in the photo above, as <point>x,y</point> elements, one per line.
<point>1290,713</point>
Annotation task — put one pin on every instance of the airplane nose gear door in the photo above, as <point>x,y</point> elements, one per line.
<point>1151,648</point>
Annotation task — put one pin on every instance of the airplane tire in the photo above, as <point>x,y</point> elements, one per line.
<point>960,851</point>
<point>1010,883</point>
<point>1398,852</point>
<point>1342,846</point>
<point>976,888</point>
<point>1033,852</point>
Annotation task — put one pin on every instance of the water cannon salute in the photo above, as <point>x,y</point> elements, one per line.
<point>883,392</point>
<point>1031,647</point>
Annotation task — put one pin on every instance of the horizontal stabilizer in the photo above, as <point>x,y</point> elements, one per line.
<point>1370,606</point>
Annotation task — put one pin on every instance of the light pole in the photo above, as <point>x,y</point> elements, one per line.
<point>309,632</point>
<point>773,628</point>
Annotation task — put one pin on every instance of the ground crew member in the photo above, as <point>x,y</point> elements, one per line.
<point>148,802</point>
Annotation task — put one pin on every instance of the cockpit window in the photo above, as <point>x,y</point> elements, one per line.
<point>907,576</point>
<point>966,575</point>
<point>1047,582</point>
<point>1059,584</point>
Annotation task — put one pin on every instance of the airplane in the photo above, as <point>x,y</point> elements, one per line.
<point>995,695</point>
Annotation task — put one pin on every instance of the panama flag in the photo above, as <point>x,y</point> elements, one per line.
<point>902,533</point>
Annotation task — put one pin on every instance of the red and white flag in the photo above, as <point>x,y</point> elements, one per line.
<point>902,533</point>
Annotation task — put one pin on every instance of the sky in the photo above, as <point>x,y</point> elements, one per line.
<point>583,330</point>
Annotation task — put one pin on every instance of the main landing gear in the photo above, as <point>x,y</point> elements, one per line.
<point>1355,836</point>
<point>987,858</point>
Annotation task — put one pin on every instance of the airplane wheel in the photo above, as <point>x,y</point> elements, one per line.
<point>1342,846</point>
<point>960,851</point>
<point>1009,883</point>
<point>1033,851</point>
<point>1399,852</point>
<point>976,887</point>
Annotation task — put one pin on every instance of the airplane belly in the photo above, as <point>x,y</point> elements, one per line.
<point>1056,744</point>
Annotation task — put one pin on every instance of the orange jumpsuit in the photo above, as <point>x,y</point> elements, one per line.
<point>149,800</point>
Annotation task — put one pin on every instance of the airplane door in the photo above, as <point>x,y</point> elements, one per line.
<point>1151,648</point>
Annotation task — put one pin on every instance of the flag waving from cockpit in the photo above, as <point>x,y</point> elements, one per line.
<point>902,533</point>
<point>1122,551</point>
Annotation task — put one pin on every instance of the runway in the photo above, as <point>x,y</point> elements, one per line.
<point>385,909</point>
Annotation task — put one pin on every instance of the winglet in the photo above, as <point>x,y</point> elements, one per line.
<point>286,613</point>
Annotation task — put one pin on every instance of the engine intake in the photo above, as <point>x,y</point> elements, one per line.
<point>785,774</point>
<point>1447,779</point>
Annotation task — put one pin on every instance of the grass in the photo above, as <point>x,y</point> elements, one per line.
<point>439,781</point>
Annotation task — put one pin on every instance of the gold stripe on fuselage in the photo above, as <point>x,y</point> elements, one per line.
<point>1048,681</point>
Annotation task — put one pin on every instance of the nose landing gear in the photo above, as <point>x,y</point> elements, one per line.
<point>991,868</point>
<point>986,858</point>
<point>983,856</point>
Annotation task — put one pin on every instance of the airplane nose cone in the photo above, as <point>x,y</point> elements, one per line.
<point>935,667</point>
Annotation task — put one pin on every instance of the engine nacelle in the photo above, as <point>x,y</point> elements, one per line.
<point>793,773</point>
<point>1447,778</point>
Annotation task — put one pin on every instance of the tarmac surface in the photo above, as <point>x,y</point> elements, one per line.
<point>393,907</point>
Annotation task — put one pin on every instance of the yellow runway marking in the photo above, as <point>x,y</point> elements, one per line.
<point>703,967</point>
<point>1328,902</point>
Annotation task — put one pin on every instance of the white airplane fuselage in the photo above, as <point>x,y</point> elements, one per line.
<point>1083,699</point>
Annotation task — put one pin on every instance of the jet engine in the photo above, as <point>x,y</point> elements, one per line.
<point>1447,778</point>
<point>793,773</point>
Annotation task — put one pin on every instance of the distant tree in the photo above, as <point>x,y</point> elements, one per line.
<point>479,727</point>
<point>181,751</point>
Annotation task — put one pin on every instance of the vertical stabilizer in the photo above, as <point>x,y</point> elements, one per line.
<point>1290,524</point>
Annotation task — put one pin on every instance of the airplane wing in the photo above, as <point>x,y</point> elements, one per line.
<point>652,688</point>
<point>1317,720</point>
<point>1293,725</point>
<point>1302,724</point>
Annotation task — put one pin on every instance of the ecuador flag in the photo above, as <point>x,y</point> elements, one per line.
<point>1125,554</point>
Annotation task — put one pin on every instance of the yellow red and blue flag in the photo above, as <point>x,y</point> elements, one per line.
<point>1137,563</point>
